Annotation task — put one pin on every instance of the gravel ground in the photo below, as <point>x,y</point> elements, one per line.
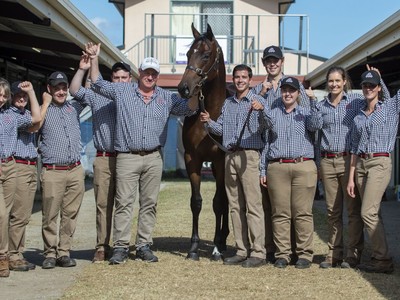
<point>51,284</point>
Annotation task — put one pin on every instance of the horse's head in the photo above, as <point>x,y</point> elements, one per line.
<point>204,59</point>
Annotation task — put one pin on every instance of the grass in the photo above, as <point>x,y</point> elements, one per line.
<point>174,277</point>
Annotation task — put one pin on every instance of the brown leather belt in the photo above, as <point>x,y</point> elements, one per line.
<point>25,162</point>
<point>333,154</point>
<point>105,154</point>
<point>240,149</point>
<point>291,160</point>
<point>143,152</point>
<point>6,160</point>
<point>371,155</point>
<point>58,167</point>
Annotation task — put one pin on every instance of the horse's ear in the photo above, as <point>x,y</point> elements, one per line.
<point>196,33</point>
<point>210,34</point>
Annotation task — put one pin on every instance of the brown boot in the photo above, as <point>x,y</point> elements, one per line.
<point>4,268</point>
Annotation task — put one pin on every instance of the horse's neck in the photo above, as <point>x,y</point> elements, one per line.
<point>214,95</point>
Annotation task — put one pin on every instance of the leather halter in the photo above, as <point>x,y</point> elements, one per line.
<point>204,77</point>
<point>201,73</point>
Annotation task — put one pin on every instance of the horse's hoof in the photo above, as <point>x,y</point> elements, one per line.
<point>193,256</point>
<point>216,257</point>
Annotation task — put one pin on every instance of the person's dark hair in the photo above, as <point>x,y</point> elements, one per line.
<point>243,67</point>
<point>343,73</point>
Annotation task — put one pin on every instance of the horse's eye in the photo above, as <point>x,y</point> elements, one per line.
<point>206,56</point>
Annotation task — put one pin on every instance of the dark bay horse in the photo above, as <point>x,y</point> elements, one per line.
<point>204,78</point>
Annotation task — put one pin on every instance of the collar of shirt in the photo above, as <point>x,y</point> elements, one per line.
<point>17,110</point>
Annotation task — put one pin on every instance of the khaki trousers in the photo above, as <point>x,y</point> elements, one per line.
<point>269,235</point>
<point>372,178</point>
<point>291,188</point>
<point>242,182</point>
<point>8,185</point>
<point>62,194</point>
<point>141,174</point>
<point>334,174</point>
<point>22,209</point>
<point>104,192</point>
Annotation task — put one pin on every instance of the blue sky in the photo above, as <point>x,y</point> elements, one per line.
<point>333,24</point>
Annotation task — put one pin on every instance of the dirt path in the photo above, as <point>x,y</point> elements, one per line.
<point>51,284</point>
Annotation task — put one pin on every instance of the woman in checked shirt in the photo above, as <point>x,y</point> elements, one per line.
<point>291,176</point>
<point>333,117</point>
<point>373,137</point>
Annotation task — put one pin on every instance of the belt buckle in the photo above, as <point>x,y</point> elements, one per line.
<point>142,153</point>
<point>298,159</point>
<point>369,155</point>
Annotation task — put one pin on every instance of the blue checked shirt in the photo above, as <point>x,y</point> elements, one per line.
<point>141,126</point>
<point>290,135</point>
<point>26,141</point>
<point>103,113</point>
<point>273,97</point>
<point>376,132</point>
<point>232,119</point>
<point>9,125</point>
<point>60,142</point>
<point>334,123</point>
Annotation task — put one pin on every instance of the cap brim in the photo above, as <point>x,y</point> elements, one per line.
<point>291,85</point>
<point>57,81</point>
<point>272,55</point>
<point>369,81</point>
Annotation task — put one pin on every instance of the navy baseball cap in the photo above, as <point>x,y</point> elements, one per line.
<point>272,51</point>
<point>121,65</point>
<point>370,76</point>
<point>15,89</point>
<point>291,81</point>
<point>56,78</point>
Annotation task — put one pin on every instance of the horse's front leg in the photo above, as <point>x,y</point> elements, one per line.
<point>196,202</point>
<point>221,211</point>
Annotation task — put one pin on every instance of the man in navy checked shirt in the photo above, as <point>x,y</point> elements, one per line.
<point>9,124</point>
<point>273,61</point>
<point>25,158</point>
<point>243,110</point>
<point>62,175</point>
<point>143,110</point>
<point>104,166</point>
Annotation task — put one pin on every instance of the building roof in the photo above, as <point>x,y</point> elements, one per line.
<point>47,35</point>
<point>379,47</point>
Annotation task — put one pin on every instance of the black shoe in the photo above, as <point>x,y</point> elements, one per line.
<point>281,263</point>
<point>302,263</point>
<point>49,263</point>
<point>66,262</point>
<point>253,262</point>
<point>120,255</point>
<point>144,253</point>
<point>234,260</point>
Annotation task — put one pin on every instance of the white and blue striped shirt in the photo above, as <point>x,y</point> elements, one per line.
<point>232,119</point>
<point>290,135</point>
<point>376,132</point>
<point>335,123</point>
<point>103,114</point>
<point>9,125</point>
<point>60,142</point>
<point>141,126</point>
<point>26,141</point>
